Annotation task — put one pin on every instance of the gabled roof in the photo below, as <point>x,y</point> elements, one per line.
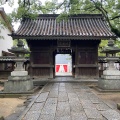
<point>4,16</point>
<point>81,26</point>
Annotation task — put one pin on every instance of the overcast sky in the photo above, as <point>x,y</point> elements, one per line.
<point>9,9</point>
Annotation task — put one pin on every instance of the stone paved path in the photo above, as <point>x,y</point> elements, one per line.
<point>68,101</point>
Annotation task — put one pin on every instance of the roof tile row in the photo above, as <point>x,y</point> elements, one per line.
<point>94,25</point>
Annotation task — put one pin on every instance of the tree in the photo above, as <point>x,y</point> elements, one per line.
<point>109,8</point>
<point>31,8</point>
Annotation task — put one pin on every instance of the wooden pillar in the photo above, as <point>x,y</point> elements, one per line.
<point>76,62</point>
<point>51,62</point>
<point>31,62</point>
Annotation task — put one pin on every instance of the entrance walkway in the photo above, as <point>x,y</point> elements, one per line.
<point>68,101</point>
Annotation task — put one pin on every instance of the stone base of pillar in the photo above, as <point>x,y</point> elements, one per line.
<point>110,80</point>
<point>18,84</point>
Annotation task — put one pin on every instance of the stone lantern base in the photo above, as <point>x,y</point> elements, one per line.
<point>19,81</point>
<point>110,80</point>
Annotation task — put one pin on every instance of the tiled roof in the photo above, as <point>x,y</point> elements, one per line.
<point>9,58</point>
<point>81,26</point>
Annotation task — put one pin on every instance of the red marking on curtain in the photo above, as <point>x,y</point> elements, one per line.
<point>65,68</point>
<point>57,68</point>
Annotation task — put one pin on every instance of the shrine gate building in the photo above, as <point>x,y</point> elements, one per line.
<point>78,36</point>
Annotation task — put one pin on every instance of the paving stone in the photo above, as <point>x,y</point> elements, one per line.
<point>50,106</point>
<point>96,100</point>
<point>42,97</point>
<point>76,86</point>
<point>69,101</point>
<point>51,101</point>
<point>32,115</point>
<point>62,84</point>
<point>93,113</point>
<point>111,114</point>
<point>82,95</point>
<point>102,107</point>
<point>63,109</point>
<point>63,118</point>
<point>111,104</point>
<point>55,87</point>
<point>47,88</point>
<point>79,116</point>
<point>72,96</point>
<point>47,117</point>
<point>75,107</point>
<point>37,106</point>
<point>53,93</point>
<point>87,104</point>
<point>62,89</point>
<point>70,90</point>
<point>62,96</point>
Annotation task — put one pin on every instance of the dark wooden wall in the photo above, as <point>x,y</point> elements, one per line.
<point>84,58</point>
<point>41,61</point>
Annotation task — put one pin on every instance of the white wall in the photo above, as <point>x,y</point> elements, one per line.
<point>7,42</point>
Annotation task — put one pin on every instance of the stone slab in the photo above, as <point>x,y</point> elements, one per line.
<point>32,115</point>
<point>93,113</point>
<point>50,106</point>
<point>19,78</point>
<point>42,97</point>
<point>75,107</point>
<point>63,109</point>
<point>109,84</point>
<point>72,96</point>
<point>63,118</point>
<point>102,107</point>
<point>62,89</point>
<point>79,116</point>
<point>19,73</point>
<point>48,87</point>
<point>111,72</point>
<point>82,95</point>
<point>47,117</point>
<point>62,96</point>
<point>18,86</point>
<point>37,106</point>
<point>53,93</point>
<point>111,114</point>
<point>87,104</point>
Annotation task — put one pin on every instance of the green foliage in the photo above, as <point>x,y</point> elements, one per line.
<point>109,9</point>
<point>2,26</point>
<point>101,46</point>
<point>49,7</point>
<point>24,11</point>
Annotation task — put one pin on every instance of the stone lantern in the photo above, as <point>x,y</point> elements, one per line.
<point>110,80</point>
<point>19,80</point>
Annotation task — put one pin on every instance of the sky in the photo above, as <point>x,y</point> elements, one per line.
<point>9,9</point>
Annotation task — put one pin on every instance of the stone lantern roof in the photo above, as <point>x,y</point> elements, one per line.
<point>19,49</point>
<point>111,48</point>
